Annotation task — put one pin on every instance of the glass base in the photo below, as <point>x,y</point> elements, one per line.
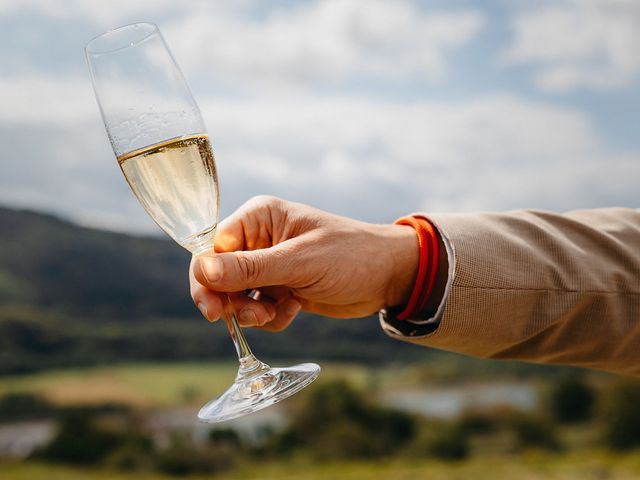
<point>257,388</point>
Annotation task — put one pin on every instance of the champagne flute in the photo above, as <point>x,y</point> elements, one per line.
<point>159,139</point>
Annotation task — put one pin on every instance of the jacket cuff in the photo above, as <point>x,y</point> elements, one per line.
<point>427,323</point>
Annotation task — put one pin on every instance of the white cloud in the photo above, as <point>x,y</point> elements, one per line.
<point>100,10</point>
<point>311,42</point>
<point>37,99</point>
<point>579,44</point>
<point>377,159</point>
<point>109,13</point>
<point>323,41</point>
<point>483,130</point>
<point>369,158</point>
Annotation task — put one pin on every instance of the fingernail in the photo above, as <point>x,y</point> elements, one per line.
<point>203,309</point>
<point>292,308</point>
<point>211,268</point>
<point>248,317</point>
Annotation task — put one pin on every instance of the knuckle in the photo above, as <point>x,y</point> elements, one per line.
<point>276,326</point>
<point>265,199</point>
<point>266,202</point>
<point>283,325</point>
<point>263,320</point>
<point>247,267</point>
<point>205,275</point>
<point>195,289</point>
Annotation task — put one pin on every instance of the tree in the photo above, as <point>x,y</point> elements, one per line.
<point>621,416</point>
<point>572,400</point>
<point>335,420</point>
<point>533,432</point>
<point>79,441</point>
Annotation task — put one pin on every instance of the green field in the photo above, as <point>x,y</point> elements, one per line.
<point>151,384</point>
<point>532,466</point>
<point>135,384</point>
<point>174,383</point>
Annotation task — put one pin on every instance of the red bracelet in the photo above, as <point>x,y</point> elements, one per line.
<point>433,265</point>
<point>427,265</point>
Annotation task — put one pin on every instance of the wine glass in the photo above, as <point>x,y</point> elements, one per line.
<point>159,139</point>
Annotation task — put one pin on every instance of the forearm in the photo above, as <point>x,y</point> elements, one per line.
<point>543,287</point>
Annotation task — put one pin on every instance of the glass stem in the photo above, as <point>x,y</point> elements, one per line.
<point>250,366</point>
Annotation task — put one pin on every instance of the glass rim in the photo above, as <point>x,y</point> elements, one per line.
<point>151,29</point>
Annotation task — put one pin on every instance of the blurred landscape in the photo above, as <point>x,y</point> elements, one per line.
<point>104,363</point>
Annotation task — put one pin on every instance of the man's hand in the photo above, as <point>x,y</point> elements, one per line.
<point>294,256</point>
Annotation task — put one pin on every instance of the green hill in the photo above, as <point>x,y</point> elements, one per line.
<point>71,295</point>
<point>47,262</point>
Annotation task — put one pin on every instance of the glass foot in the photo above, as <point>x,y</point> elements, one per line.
<point>258,389</point>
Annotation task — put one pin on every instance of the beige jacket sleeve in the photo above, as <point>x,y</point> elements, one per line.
<point>542,287</point>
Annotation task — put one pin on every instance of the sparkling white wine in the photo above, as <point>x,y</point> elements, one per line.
<point>177,184</point>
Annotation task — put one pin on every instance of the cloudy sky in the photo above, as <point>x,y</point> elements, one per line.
<point>365,108</point>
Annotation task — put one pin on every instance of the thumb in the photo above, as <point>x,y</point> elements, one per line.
<point>242,270</point>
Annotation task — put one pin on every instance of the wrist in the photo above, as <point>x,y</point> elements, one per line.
<point>403,252</point>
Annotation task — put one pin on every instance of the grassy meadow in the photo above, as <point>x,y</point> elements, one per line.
<point>532,466</point>
<point>158,384</point>
<point>140,385</point>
